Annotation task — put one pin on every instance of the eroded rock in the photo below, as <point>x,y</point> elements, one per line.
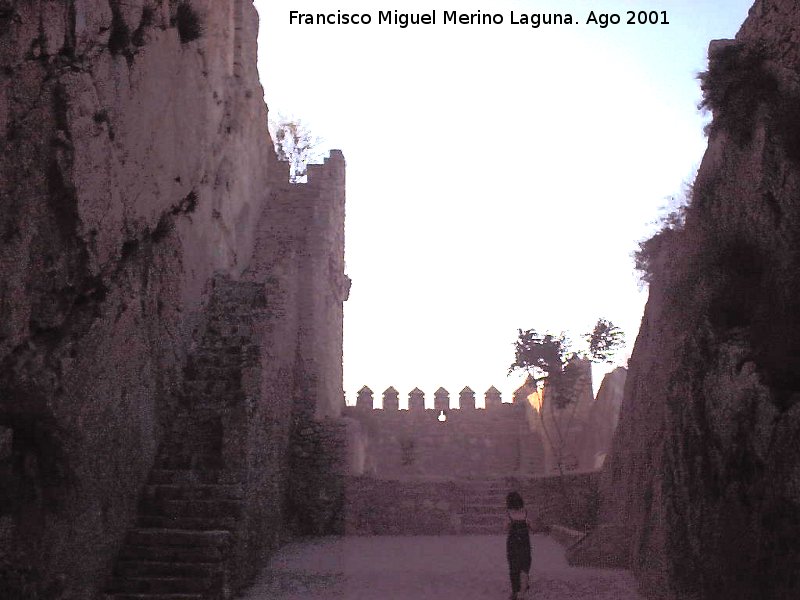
<point>704,476</point>
<point>135,164</point>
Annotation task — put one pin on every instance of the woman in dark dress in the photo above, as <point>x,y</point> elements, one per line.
<point>518,545</point>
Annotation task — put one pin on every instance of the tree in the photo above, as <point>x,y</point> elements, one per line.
<point>604,340</point>
<point>556,375</point>
<point>295,144</point>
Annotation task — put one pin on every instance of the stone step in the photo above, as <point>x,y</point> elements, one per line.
<point>167,491</point>
<point>498,507</point>
<point>211,386</point>
<point>150,568</point>
<point>126,596</point>
<point>175,554</point>
<point>165,585</point>
<point>484,510</point>
<point>187,459</point>
<point>185,477</point>
<point>223,365</point>
<point>483,498</point>
<point>192,509</point>
<point>485,493</point>
<point>178,537</point>
<point>190,523</point>
<point>482,530</point>
<point>479,519</point>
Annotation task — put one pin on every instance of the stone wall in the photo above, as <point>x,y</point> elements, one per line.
<point>568,432</point>
<point>704,476</point>
<point>603,419</point>
<point>443,506</point>
<point>316,498</point>
<point>444,441</point>
<point>577,435</point>
<point>136,169</point>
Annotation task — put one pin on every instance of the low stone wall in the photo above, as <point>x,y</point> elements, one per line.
<point>572,501</point>
<point>435,506</point>
<point>396,507</point>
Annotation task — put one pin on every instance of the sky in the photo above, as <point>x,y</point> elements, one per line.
<point>499,177</point>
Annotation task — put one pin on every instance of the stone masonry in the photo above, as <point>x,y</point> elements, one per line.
<point>466,442</point>
<point>170,306</point>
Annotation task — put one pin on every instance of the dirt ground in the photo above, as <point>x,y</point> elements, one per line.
<point>428,568</point>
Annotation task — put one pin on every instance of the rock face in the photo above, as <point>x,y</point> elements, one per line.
<point>705,468</point>
<point>137,180</point>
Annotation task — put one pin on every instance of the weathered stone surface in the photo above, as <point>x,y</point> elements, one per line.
<point>605,546</point>
<point>602,420</point>
<point>135,165</point>
<point>495,441</point>
<point>705,469</point>
<point>441,506</point>
<point>567,432</point>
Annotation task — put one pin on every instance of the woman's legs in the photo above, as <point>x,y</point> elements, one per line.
<point>525,568</point>
<point>514,573</point>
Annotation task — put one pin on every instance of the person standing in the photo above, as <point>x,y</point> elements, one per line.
<point>518,545</point>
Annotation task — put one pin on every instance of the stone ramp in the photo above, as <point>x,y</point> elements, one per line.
<point>469,567</point>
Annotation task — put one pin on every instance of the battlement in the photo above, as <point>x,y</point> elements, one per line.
<point>463,440</point>
<point>365,401</point>
<point>330,172</point>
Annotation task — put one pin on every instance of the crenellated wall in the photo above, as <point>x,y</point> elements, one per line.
<point>443,441</point>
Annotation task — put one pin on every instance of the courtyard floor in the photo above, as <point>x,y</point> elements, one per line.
<point>428,568</point>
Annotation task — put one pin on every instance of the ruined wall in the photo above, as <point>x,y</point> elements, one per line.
<point>469,442</point>
<point>577,434</point>
<point>705,472</point>
<point>135,165</point>
<point>602,420</point>
<point>567,430</point>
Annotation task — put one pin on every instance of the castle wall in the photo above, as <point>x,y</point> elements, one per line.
<point>135,164</point>
<point>470,442</point>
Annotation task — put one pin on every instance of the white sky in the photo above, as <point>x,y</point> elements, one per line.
<point>498,177</point>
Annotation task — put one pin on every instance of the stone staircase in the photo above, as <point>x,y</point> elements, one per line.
<point>190,509</point>
<point>178,547</point>
<point>484,508</point>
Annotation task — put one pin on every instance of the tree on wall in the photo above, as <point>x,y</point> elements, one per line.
<point>296,145</point>
<point>552,367</point>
